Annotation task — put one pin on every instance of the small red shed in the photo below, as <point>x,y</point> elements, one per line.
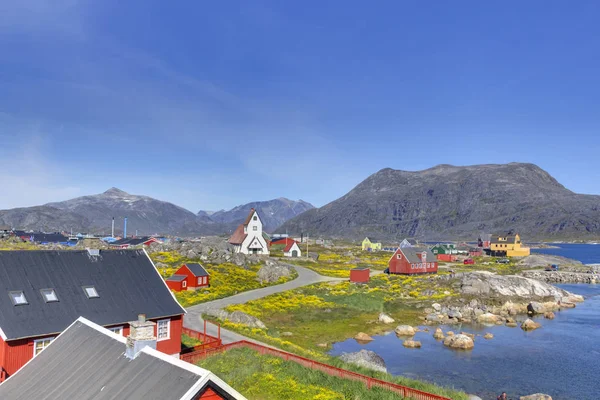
<point>446,257</point>
<point>189,277</point>
<point>360,275</point>
<point>413,260</point>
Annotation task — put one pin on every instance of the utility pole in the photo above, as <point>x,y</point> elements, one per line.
<point>307,245</point>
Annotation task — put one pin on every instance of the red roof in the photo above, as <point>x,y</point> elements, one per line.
<point>238,235</point>
<point>249,217</point>
<point>289,246</point>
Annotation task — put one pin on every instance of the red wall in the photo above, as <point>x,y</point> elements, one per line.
<point>446,257</point>
<point>359,275</point>
<point>210,394</point>
<point>16,353</point>
<point>192,280</point>
<point>403,266</point>
<point>175,285</point>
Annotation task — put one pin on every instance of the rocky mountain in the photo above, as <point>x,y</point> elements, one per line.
<point>273,212</point>
<point>94,214</point>
<point>456,202</point>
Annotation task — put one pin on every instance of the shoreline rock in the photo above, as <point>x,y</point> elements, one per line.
<point>365,358</point>
<point>459,341</point>
<point>562,277</point>
<point>363,337</point>
<point>405,330</point>
<point>530,325</point>
<point>412,344</point>
<point>385,319</point>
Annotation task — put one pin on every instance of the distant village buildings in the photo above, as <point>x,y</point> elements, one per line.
<point>370,245</point>
<point>508,245</point>
<point>292,250</point>
<point>249,237</point>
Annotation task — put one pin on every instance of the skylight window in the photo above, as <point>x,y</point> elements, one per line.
<point>90,292</point>
<point>49,295</point>
<point>18,297</point>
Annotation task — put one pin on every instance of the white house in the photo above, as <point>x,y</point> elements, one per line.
<point>249,238</point>
<point>292,250</point>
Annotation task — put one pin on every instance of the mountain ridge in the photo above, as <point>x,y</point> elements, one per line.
<point>456,201</point>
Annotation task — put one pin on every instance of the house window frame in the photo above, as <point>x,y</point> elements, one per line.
<point>46,299</point>
<point>36,341</point>
<point>255,218</point>
<point>255,228</point>
<point>184,283</point>
<point>113,329</point>
<point>399,256</point>
<point>158,323</point>
<point>199,280</point>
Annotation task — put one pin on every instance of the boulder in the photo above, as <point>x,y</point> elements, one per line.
<point>529,325</point>
<point>412,344</point>
<point>438,334</point>
<point>488,336</point>
<point>272,272</point>
<point>405,330</point>
<point>323,345</point>
<point>471,335</point>
<point>487,318</point>
<point>240,317</point>
<point>449,333</point>
<point>365,358</point>
<point>287,334</point>
<point>436,306</point>
<point>459,342</point>
<point>537,396</point>
<point>549,315</point>
<point>511,324</point>
<point>385,319</point>
<point>434,317</point>
<point>363,337</point>
<point>473,397</point>
<point>454,314</point>
<point>536,308</point>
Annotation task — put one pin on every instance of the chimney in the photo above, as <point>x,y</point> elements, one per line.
<point>141,334</point>
<point>125,229</point>
<point>112,232</point>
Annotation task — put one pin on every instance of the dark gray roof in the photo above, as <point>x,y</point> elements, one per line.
<point>41,237</point>
<point>176,278</point>
<point>197,269</point>
<point>131,241</point>
<point>126,281</point>
<point>87,363</point>
<point>411,254</point>
<point>509,239</point>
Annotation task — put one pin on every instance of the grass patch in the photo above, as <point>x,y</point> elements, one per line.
<point>262,377</point>
<point>339,262</point>
<point>188,342</point>
<point>332,312</point>
<point>225,279</point>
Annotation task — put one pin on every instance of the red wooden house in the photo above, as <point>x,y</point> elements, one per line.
<point>413,260</point>
<point>126,243</point>
<point>189,277</point>
<point>45,291</point>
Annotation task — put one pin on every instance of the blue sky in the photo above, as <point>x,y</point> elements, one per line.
<point>214,104</point>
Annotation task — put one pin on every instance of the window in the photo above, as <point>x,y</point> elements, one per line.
<point>399,256</point>
<point>163,328</point>
<point>90,292</point>
<point>255,218</point>
<point>49,295</point>
<point>199,280</point>
<point>117,329</point>
<point>205,280</point>
<point>184,284</point>
<point>18,297</point>
<point>40,344</point>
<point>255,228</point>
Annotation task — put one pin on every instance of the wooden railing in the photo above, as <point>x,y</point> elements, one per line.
<point>208,341</point>
<point>369,382</point>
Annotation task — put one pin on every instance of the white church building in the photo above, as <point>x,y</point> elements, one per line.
<point>249,238</point>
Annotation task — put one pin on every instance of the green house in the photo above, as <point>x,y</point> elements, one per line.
<point>444,248</point>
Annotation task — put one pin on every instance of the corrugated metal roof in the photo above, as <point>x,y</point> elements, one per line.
<point>86,362</point>
<point>126,281</point>
<point>176,278</point>
<point>411,254</point>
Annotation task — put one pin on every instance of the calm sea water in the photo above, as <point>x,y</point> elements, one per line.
<point>586,253</point>
<point>561,359</point>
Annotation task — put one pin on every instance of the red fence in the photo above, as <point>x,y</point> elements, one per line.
<point>208,341</point>
<point>407,392</point>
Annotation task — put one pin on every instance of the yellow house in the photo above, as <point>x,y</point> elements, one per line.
<point>508,245</point>
<point>367,245</point>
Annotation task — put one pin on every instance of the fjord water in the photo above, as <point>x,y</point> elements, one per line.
<point>586,253</point>
<point>561,359</point>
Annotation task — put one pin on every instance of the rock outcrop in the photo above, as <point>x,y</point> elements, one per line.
<point>273,271</point>
<point>487,318</point>
<point>438,334</point>
<point>385,319</point>
<point>563,277</point>
<point>365,358</point>
<point>412,344</point>
<point>237,317</point>
<point>488,336</point>
<point>459,342</point>
<point>405,330</point>
<point>529,325</point>
<point>537,396</point>
<point>363,337</point>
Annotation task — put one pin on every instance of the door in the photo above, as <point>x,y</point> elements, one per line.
<point>294,253</point>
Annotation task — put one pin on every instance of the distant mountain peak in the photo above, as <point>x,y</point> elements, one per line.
<point>113,191</point>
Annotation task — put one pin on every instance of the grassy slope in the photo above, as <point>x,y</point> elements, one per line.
<point>271,378</point>
<point>339,262</point>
